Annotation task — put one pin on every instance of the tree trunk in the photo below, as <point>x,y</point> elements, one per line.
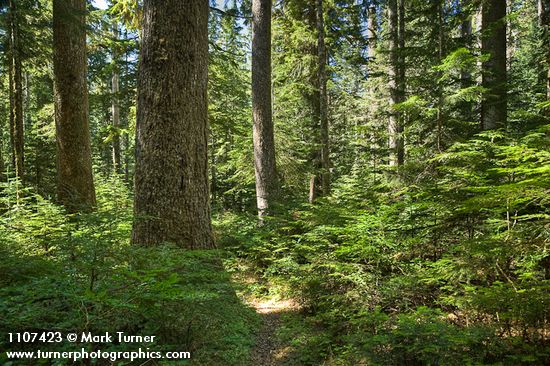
<point>115,106</point>
<point>213,172</point>
<point>395,83</point>
<point>540,13</point>
<point>323,101</point>
<point>16,107</point>
<point>401,86</point>
<point>315,183</point>
<point>371,32</point>
<point>264,141</point>
<point>2,166</point>
<point>466,40</point>
<point>12,109</point>
<point>126,136</point>
<point>544,19</point>
<point>319,183</point>
<point>372,37</point>
<point>493,42</point>
<point>75,187</point>
<point>440,52</point>
<point>466,35</point>
<point>171,201</point>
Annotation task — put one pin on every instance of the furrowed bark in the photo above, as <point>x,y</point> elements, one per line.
<point>75,186</point>
<point>171,202</point>
<point>263,130</point>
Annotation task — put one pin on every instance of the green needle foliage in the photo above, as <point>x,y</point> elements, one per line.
<point>77,274</point>
<point>450,269</point>
<point>441,260</point>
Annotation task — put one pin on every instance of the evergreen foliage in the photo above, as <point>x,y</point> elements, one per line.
<point>442,260</point>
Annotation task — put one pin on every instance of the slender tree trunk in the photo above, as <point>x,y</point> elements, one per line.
<point>372,37</point>
<point>323,101</point>
<point>493,42</point>
<point>440,51</point>
<point>314,181</point>
<point>2,166</point>
<point>27,124</point>
<point>313,187</point>
<point>544,19</point>
<point>466,35</point>
<point>395,84</point>
<point>372,31</point>
<point>540,12</point>
<point>401,85</point>
<point>476,22</point>
<point>126,136</point>
<point>115,106</point>
<point>107,149</point>
<point>466,39</point>
<point>17,99</point>
<point>171,201</point>
<point>38,167</point>
<point>75,186</point>
<point>11,125</point>
<point>213,172</point>
<point>263,135</point>
<point>126,140</point>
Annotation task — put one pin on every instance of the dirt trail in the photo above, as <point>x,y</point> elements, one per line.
<point>268,351</point>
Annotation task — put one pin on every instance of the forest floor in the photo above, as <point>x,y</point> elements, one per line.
<point>269,349</point>
<point>280,318</point>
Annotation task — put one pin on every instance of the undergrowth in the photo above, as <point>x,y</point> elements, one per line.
<point>445,263</point>
<point>76,274</point>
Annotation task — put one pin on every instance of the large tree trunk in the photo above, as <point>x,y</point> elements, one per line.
<point>493,42</point>
<point>396,84</point>
<point>323,101</point>
<point>16,96</point>
<point>264,142</point>
<point>115,106</point>
<point>171,201</point>
<point>320,181</point>
<point>75,187</point>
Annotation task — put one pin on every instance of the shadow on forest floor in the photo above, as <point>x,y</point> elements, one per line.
<point>269,349</point>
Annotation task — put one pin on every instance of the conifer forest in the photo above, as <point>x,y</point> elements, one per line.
<point>275,182</point>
